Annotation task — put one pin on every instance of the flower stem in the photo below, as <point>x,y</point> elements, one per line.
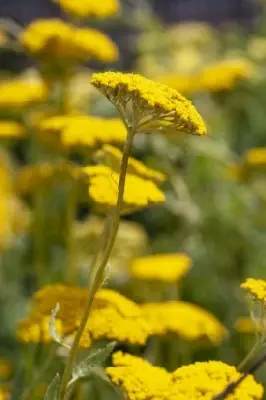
<point>97,274</point>
<point>70,242</point>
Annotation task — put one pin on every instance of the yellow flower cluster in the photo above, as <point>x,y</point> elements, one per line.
<point>246,325</point>
<point>113,316</point>
<point>256,156</point>
<point>138,193</point>
<point>19,93</point>
<point>256,288</point>
<point>80,131</point>
<point>154,106</point>
<point>188,321</point>
<point>217,77</point>
<point>139,380</point>
<point>161,267</point>
<point>112,156</point>
<point>89,8</point>
<point>11,129</point>
<point>54,39</point>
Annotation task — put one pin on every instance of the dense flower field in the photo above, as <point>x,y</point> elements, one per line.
<point>132,234</point>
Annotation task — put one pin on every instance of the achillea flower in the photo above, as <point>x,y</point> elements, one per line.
<point>224,75</point>
<point>247,325</point>
<point>112,157</point>
<point>255,157</point>
<point>204,380</point>
<point>11,129</point>
<point>187,321</point>
<point>103,190</point>
<point>89,8</point>
<point>161,267</point>
<point>139,380</point>
<point>35,330</point>
<point>154,107</point>
<point>80,131</point>
<point>256,288</point>
<point>54,39</point>
<point>19,93</point>
<point>185,84</point>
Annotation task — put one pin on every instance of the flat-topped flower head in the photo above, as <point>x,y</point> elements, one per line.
<point>18,93</point>
<point>90,8</point>
<point>187,321</point>
<point>255,157</point>
<point>79,132</point>
<point>103,190</point>
<point>138,379</point>
<point>248,325</point>
<point>161,267</point>
<point>12,130</point>
<point>204,380</point>
<point>112,156</point>
<point>150,106</point>
<point>255,288</point>
<point>54,39</point>
<point>37,330</point>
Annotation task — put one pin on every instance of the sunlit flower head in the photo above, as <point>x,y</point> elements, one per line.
<point>139,380</point>
<point>186,320</point>
<point>204,380</point>
<point>19,93</point>
<point>81,132</point>
<point>161,267</point>
<point>103,190</point>
<point>186,84</point>
<point>35,330</point>
<point>255,288</point>
<point>54,39</point>
<point>89,8</point>
<point>224,75</point>
<point>150,106</point>
<point>247,325</point>
<point>112,156</point>
<point>11,130</point>
<point>255,157</point>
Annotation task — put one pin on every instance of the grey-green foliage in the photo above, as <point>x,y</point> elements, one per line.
<point>52,392</point>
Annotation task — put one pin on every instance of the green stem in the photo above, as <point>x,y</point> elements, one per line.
<point>72,267</point>
<point>38,238</point>
<point>255,349</point>
<point>96,276</point>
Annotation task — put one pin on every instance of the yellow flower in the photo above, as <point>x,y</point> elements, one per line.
<point>188,321</point>
<point>103,190</point>
<point>80,131</point>
<point>112,157</point>
<point>154,106</point>
<point>6,368</point>
<point>54,39</point>
<point>89,8</point>
<point>256,156</point>
<point>224,75</point>
<point>161,267</point>
<point>186,84</point>
<point>204,380</point>
<point>139,380</point>
<point>11,129</point>
<point>256,288</point>
<point>35,330</point>
<point>246,325</point>
<point>19,93</point>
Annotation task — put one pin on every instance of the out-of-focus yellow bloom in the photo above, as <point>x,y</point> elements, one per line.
<point>112,157</point>
<point>139,380</point>
<point>187,321</point>
<point>154,106</point>
<point>256,288</point>
<point>35,330</point>
<point>246,325</point>
<point>103,190</point>
<point>257,48</point>
<point>256,156</point>
<point>11,129</point>
<point>80,131</point>
<point>161,267</point>
<point>89,8</point>
<point>184,83</point>
<point>6,368</point>
<point>204,380</point>
<point>131,241</point>
<point>224,75</point>
<point>113,316</point>
<point>4,394</point>
<point>54,39</point>
<point>19,93</point>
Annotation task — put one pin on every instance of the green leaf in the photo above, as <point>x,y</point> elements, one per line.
<point>52,327</point>
<point>95,359</point>
<point>53,389</point>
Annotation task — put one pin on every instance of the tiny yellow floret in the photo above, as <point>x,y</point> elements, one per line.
<point>256,288</point>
